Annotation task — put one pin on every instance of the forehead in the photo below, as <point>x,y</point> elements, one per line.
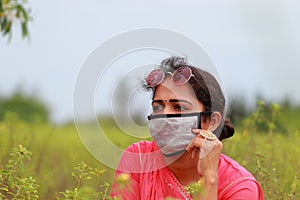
<point>168,90</point>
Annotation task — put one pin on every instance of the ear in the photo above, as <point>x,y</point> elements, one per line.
<point>215,121</point>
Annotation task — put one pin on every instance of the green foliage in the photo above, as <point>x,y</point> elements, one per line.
<point>27,109</point>
<point>80,192</point>
<point>12,12</point>
<point>272,158</point>
<point>265,119</point>
<point>12,184</point>
<point>195,189</point>
<point>270,179</point>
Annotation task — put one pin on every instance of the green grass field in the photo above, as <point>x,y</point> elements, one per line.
<point>272,156</point>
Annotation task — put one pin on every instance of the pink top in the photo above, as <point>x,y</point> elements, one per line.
<point>150,180</point>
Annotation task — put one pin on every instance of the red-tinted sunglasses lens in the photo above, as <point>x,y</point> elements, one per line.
<point>155,77</point>
<point>182,75</point>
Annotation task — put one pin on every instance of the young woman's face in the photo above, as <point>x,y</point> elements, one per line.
<point>173,99</point>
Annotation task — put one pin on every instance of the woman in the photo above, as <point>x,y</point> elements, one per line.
<point>187,125</point>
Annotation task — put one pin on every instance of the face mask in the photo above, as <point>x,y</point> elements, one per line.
<point>172,133</point>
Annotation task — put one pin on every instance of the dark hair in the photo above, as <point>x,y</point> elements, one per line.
<point>207,90</point>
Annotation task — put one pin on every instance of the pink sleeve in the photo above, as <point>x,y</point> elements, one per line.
<point>128,164</point>
<point>243,189</point>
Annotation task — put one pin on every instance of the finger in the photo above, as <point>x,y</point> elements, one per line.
<point>207,147</point>
<point>196,131</point>
<point>196,152</point>
<point>193,155</point>
<point>204,134</point>
<point>195,143</point>
<point>188,148</point>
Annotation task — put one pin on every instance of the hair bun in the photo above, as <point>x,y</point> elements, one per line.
<point>227,131</point>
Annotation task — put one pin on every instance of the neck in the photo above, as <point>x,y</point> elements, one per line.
<point>185,168</point>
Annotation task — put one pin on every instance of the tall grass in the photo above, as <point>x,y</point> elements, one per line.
<point>272,158</point>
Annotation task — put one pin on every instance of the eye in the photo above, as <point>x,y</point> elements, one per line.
<point>157,108</point>
<point>180,107</point>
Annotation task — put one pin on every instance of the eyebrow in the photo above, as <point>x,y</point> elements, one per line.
<point>171,101</point>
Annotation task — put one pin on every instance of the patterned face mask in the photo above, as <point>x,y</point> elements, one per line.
<point>172,133</point>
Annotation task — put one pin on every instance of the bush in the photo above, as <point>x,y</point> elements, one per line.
<point>265,119</point>
<point>27,109</point>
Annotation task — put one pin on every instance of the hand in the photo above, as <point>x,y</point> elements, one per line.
<point>209,150</point>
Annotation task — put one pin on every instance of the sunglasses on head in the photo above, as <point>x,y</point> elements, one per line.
<point>180,76</point>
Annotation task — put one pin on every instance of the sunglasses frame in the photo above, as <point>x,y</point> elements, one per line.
<point>148,79</point>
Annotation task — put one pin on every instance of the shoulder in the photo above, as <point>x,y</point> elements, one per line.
<point>237,182</point>
<point>142,147</point>
<point>231,167</point>
<point>143,156</point>
<point>131,159</point>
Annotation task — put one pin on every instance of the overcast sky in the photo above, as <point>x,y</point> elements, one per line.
<point>254,44</point>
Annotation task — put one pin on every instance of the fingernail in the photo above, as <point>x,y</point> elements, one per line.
<point>187,149</point>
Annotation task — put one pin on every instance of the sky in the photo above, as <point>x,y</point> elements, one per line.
<point>254,44</point>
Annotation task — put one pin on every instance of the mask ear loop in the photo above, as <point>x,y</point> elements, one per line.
<point>205,114</point>
<point>199,121</point>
